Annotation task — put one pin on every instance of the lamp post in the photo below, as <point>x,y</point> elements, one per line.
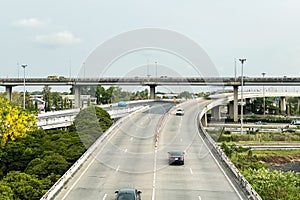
<point>242,60</point>
<point>156,70</point>
<point>264,104</point>
<point>24,66</point>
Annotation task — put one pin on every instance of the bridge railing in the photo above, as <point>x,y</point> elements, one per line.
<point>245,185</point>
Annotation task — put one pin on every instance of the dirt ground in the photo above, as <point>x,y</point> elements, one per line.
<point>284,163</point>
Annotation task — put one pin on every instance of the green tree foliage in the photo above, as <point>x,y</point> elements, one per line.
<point>51,163</point>
<point>91,123</point>
<point>30,165</point>
<point>24,186</point>
<point>274,185</point>
<point>270,185</point>
<point>47,97</point>
<point>6,192</point>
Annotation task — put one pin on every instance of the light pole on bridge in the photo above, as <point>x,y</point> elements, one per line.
<point>24,66</point>
<point>242,60</point>
<point>264,104</point>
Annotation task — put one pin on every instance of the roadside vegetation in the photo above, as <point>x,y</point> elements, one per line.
<point>269,184</point>
<point>33,160</point>
<point>260,167</point>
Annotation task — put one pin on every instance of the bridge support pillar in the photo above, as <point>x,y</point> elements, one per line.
<point>152,91</point>
<point>298,106</point>
<point>77,96</point>
<point>216,113</point>
<point>204,120</point>
<point>230,109</point>
<point>8,90</point>
<point>235,104</point>
<point>282,105</point>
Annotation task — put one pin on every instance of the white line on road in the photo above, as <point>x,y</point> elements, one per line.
<point>199,197</point>
<point>131,138</point>
<point>216,161</point>
<point>154,174</point>
<point>104,197</point>
<point>191,171</point>
<point>118,168</point>
<point>125,150</point>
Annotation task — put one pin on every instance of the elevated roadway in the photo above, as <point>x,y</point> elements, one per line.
<point>128,158</point>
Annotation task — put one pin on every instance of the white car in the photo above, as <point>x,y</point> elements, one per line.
<point>179,111</point>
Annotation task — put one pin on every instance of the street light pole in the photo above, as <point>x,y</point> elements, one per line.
<point>24,66</point>
<point>242,60</point>
<point>156,70</point>
<point>263,74</point>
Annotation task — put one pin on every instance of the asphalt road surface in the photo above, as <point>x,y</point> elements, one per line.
<point>128,159</point>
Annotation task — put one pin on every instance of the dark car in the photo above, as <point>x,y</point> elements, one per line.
<point>289,130</point>
<point>128,194</point>
<point>176,157</point>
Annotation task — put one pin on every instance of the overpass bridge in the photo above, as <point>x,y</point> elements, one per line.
<point>77,83</point>
<point>9,83</point>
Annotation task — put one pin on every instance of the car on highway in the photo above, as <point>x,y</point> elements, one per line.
<point>128,194</point>
<point>176,157</point>
<point>260,123</point>
<point>179,111</point>
<point>288,131</point>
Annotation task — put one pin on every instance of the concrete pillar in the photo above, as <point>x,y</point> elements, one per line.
<point>298,106</point>
<point>8,90</point>
<point>204,120</point>
<point>235,104</point>
<point>231,109</point>
<point>152,91</point>
<point>216,113</point>
<point>77,96</point>
<point>282,105</point>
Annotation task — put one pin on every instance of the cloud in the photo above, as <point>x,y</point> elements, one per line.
<point>64,38</point>
<point>29,23</point>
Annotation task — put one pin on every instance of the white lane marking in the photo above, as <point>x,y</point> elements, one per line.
<point>180,139</point>
<point>131,138</point>
<point>125,150</point>
<point>100,150</point>
<point>104,197</point>
<point>118,168</point>
<point>228,179</point>
<point>191,171</point>
<point>199,197</point>
<point>154,174</point>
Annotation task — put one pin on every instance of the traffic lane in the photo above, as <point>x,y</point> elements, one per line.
<point>112,167</point>
<point>200,176</point>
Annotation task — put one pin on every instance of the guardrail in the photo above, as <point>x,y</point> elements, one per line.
<point>53,191</point>
<point>246,186</point>
<point>65,118</point>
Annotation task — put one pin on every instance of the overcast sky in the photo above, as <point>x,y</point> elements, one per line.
<point>56,37</point>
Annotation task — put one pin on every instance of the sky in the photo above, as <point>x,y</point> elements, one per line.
<point>57,37</point>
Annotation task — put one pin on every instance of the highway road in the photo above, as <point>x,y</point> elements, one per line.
<point>127,158</point>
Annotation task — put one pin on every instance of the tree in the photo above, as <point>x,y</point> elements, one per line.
<point>47,97</point>
<point>25,186</point>
<point>14,121</point>
<point>6,192</point>
<point>90,123</point>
